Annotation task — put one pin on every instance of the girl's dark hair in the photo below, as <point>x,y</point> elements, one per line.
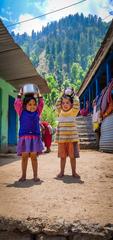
<point>28,98</point>
<point>68,97</point>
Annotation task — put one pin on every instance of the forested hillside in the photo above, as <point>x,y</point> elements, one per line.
<point>66,48</point>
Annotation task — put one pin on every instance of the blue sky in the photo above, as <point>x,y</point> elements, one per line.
<point>12,11</point>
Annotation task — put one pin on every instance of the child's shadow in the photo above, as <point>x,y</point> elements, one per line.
<point>69,179</point>
<point>24,184</point>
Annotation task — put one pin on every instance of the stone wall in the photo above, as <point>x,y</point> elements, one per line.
<point>38,229</point>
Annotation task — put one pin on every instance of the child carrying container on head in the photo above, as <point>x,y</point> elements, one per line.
<point>29,143</point>
<point>66,133</point>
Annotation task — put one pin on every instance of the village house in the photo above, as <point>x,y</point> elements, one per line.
<point>97,86</point>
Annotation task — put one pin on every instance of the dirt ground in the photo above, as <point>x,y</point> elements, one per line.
<point>89,199</point>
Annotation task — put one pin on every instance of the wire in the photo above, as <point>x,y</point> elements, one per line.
<point>106,17</point>
<point>47,13</point>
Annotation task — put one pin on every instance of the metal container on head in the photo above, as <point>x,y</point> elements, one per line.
<point>30,89</point>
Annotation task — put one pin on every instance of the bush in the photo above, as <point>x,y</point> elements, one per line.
<point>49,115</point>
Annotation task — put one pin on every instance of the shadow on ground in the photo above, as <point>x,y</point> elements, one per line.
<point>26,184</point>
<point>69,179</point>
<point>8,158</point>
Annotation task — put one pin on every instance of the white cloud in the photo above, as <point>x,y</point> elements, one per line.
<point>95,7</point>
<point>27,27</point>
<point>55,5</point>
<point>101,8</point>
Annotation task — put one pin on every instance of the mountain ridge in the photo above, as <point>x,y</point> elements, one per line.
<point>65,48</point>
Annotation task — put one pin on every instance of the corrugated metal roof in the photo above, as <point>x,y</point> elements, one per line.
<point>101,54</point>
<point>15,66</point>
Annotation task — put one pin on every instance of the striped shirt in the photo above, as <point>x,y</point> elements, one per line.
<point>67,130</point>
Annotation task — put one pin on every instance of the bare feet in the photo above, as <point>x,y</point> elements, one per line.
<point>60,175</point>
<point>36,179</point>
<point>22,179</point>
<point>76,175</point>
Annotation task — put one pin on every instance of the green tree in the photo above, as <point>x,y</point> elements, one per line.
<point>49,115</point>
<point>77,74</point>
<point>50,98</point>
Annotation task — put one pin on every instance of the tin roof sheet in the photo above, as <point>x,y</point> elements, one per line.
<point>15,66</point>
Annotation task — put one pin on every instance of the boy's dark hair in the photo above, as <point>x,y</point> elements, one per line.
<point>68,97</point>
<point>28,98</point>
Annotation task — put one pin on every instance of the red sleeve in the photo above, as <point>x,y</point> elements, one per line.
<point>40,105</point>
<point>18,106</point>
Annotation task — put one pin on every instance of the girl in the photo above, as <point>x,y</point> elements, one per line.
<point>66,133</point>
<point>30,143</point>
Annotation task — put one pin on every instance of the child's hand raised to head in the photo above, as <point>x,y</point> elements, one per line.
<point>20,92</point>
<point>38,94</point>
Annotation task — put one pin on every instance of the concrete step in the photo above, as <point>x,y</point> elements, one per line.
<point>85,139</point>
<point>85,126</point>
<point>86,134</point>
<point>88,116</point>
<point>84,122</point>
<point>84,131</point>
<point>88,145</point>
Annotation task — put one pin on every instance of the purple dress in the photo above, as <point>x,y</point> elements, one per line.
<point>29,132</point>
